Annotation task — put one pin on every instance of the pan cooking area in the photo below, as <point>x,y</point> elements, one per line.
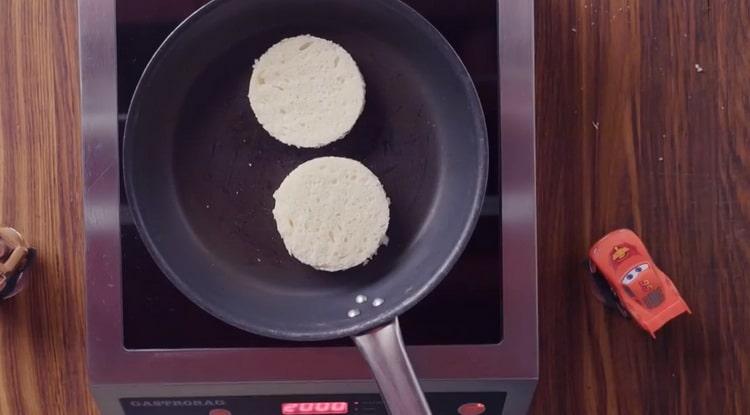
<point>464,309</point>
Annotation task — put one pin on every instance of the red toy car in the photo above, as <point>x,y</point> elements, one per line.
<point>641,289</point>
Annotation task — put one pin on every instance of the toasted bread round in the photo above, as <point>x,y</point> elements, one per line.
<point>332,213</point>
<point>306,91</point>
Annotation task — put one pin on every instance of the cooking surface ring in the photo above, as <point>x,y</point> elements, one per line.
<point>163,199</point>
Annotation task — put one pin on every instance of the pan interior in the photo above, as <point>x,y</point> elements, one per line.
<point>202,171</point>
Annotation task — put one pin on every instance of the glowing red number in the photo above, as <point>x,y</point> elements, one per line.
<point>319,408</point>
<point>289,408</point>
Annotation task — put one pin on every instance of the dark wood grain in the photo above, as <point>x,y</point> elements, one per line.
<point>42,359</point>
<point>632,134</point>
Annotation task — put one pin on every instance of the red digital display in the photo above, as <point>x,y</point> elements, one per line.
<point>314,408</point>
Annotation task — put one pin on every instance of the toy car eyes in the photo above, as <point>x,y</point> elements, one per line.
<point>628,279</point>
<point>634,273</point>
<point>641,268</point>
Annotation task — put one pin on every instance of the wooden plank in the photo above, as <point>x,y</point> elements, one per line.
<point>643,122</point>
<point>42,358</point>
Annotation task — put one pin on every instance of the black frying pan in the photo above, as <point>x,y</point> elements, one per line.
<point>200,172</point>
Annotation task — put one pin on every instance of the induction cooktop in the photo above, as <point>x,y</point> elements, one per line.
<point>473,340</point>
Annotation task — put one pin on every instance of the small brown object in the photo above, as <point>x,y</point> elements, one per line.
<point>13,251</point>
<point>4,250</point>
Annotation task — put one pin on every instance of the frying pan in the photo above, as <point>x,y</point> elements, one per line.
<point>200,172</point>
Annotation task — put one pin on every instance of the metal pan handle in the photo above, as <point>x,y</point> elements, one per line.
<point>383,349</point>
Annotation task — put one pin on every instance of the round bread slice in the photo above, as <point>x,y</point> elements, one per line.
<point>332,213</point>
<point>306,91</point>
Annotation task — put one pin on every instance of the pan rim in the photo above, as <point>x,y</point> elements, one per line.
<point>358,326</point>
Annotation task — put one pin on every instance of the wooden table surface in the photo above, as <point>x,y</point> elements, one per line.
<point>643,121</point>
<point>643,116</point>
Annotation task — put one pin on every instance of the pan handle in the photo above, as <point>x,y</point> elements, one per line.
<point>383,349</point>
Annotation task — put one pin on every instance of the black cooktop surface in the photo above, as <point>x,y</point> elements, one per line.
<point>465,309</point>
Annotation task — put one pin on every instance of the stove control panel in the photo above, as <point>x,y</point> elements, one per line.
<point>464,403</point>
